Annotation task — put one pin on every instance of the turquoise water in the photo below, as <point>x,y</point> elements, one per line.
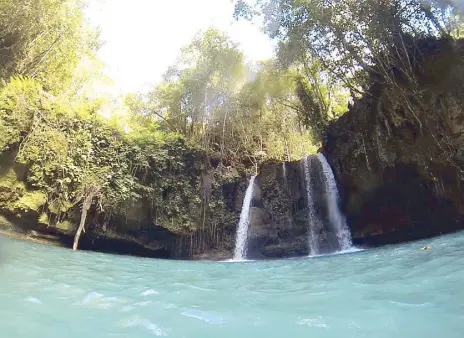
<point>397,291</point>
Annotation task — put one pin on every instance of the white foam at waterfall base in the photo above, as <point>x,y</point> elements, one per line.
<point>351,250</point>
<point>244,223</point>
<point>337,219</point>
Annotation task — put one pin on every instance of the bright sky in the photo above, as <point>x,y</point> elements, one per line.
<point>142,38</point>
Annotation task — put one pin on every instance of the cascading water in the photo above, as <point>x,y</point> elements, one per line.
<point>337,219</point>
<point>284,174</point>
<point>328,231</point>
<point>243,224</point>
<point>314,222</point>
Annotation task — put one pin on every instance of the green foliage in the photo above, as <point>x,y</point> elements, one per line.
<point>65,226</point>
<point>11,190</point>
<point>350,38</point>
<point>44,39</point>
<point>351,44</point>
<point>15,197</point>
<point>68,149</point>
<point>18,103</point>
<point>241,114</point>
<point>44,219</point>
<point>31,201</point>
<point>5,223</point>
<point>9,180</point>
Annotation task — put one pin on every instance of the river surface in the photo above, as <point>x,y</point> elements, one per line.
<point>396,291</point>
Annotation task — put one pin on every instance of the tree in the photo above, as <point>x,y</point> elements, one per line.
<point>352,39</point>
<point>237,112</point>
<point>44,39</point>
<point>90,188</point>
<point>198,88</point>
<point>357,44</point>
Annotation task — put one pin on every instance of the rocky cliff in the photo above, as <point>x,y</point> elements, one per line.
<point>280,221</point>
<point>400,168</point>
<point>278,226</point>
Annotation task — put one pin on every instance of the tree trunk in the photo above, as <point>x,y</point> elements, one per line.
<point>85,208</point>
<point>81,227</point>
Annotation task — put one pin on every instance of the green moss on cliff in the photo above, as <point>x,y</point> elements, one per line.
<point>11,190</point>
<point>43,219</point>
<point>146,180</point>
<point>65,226</point>
<point>14,197</point>
<point>59,206</point>
<point>31,201</point>
<point>10,180</point>
<point>5,223</point>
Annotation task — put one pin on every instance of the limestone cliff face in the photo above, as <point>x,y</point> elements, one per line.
<point>401,176</point>
<point>278,226</point>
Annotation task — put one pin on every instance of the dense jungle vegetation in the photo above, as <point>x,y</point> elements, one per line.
<point>213,119</point>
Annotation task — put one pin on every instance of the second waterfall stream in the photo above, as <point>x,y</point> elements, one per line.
<point>244,223</point>
<point>337,219</point>
<point>327,227</point>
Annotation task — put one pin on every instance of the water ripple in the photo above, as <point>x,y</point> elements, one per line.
<point>142,322</point>
<point>395,291</point>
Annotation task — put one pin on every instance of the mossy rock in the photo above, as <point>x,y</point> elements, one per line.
<point>65,226</point>
<point>58,207</point>
<point>11,189</point>
<point>10,180</point>
<point>43,219</point>
<point>4,223</point>
<point>31,201</point>
<point>14,196</point>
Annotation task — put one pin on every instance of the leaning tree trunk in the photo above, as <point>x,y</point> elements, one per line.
<point>85,208</point>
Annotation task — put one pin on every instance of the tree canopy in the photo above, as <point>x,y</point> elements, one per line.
<point>230,108</point>
<point>350,38</point>
<point>45,40</point>
<point>355,44</point>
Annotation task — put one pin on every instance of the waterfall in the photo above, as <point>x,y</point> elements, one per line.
<point>243,224</point>
<point>328,230</point>
<point>284,175</point>
<point>337,219</point>
<point>314,222</point>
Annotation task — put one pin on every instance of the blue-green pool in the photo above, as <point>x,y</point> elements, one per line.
<point>396,291</point>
